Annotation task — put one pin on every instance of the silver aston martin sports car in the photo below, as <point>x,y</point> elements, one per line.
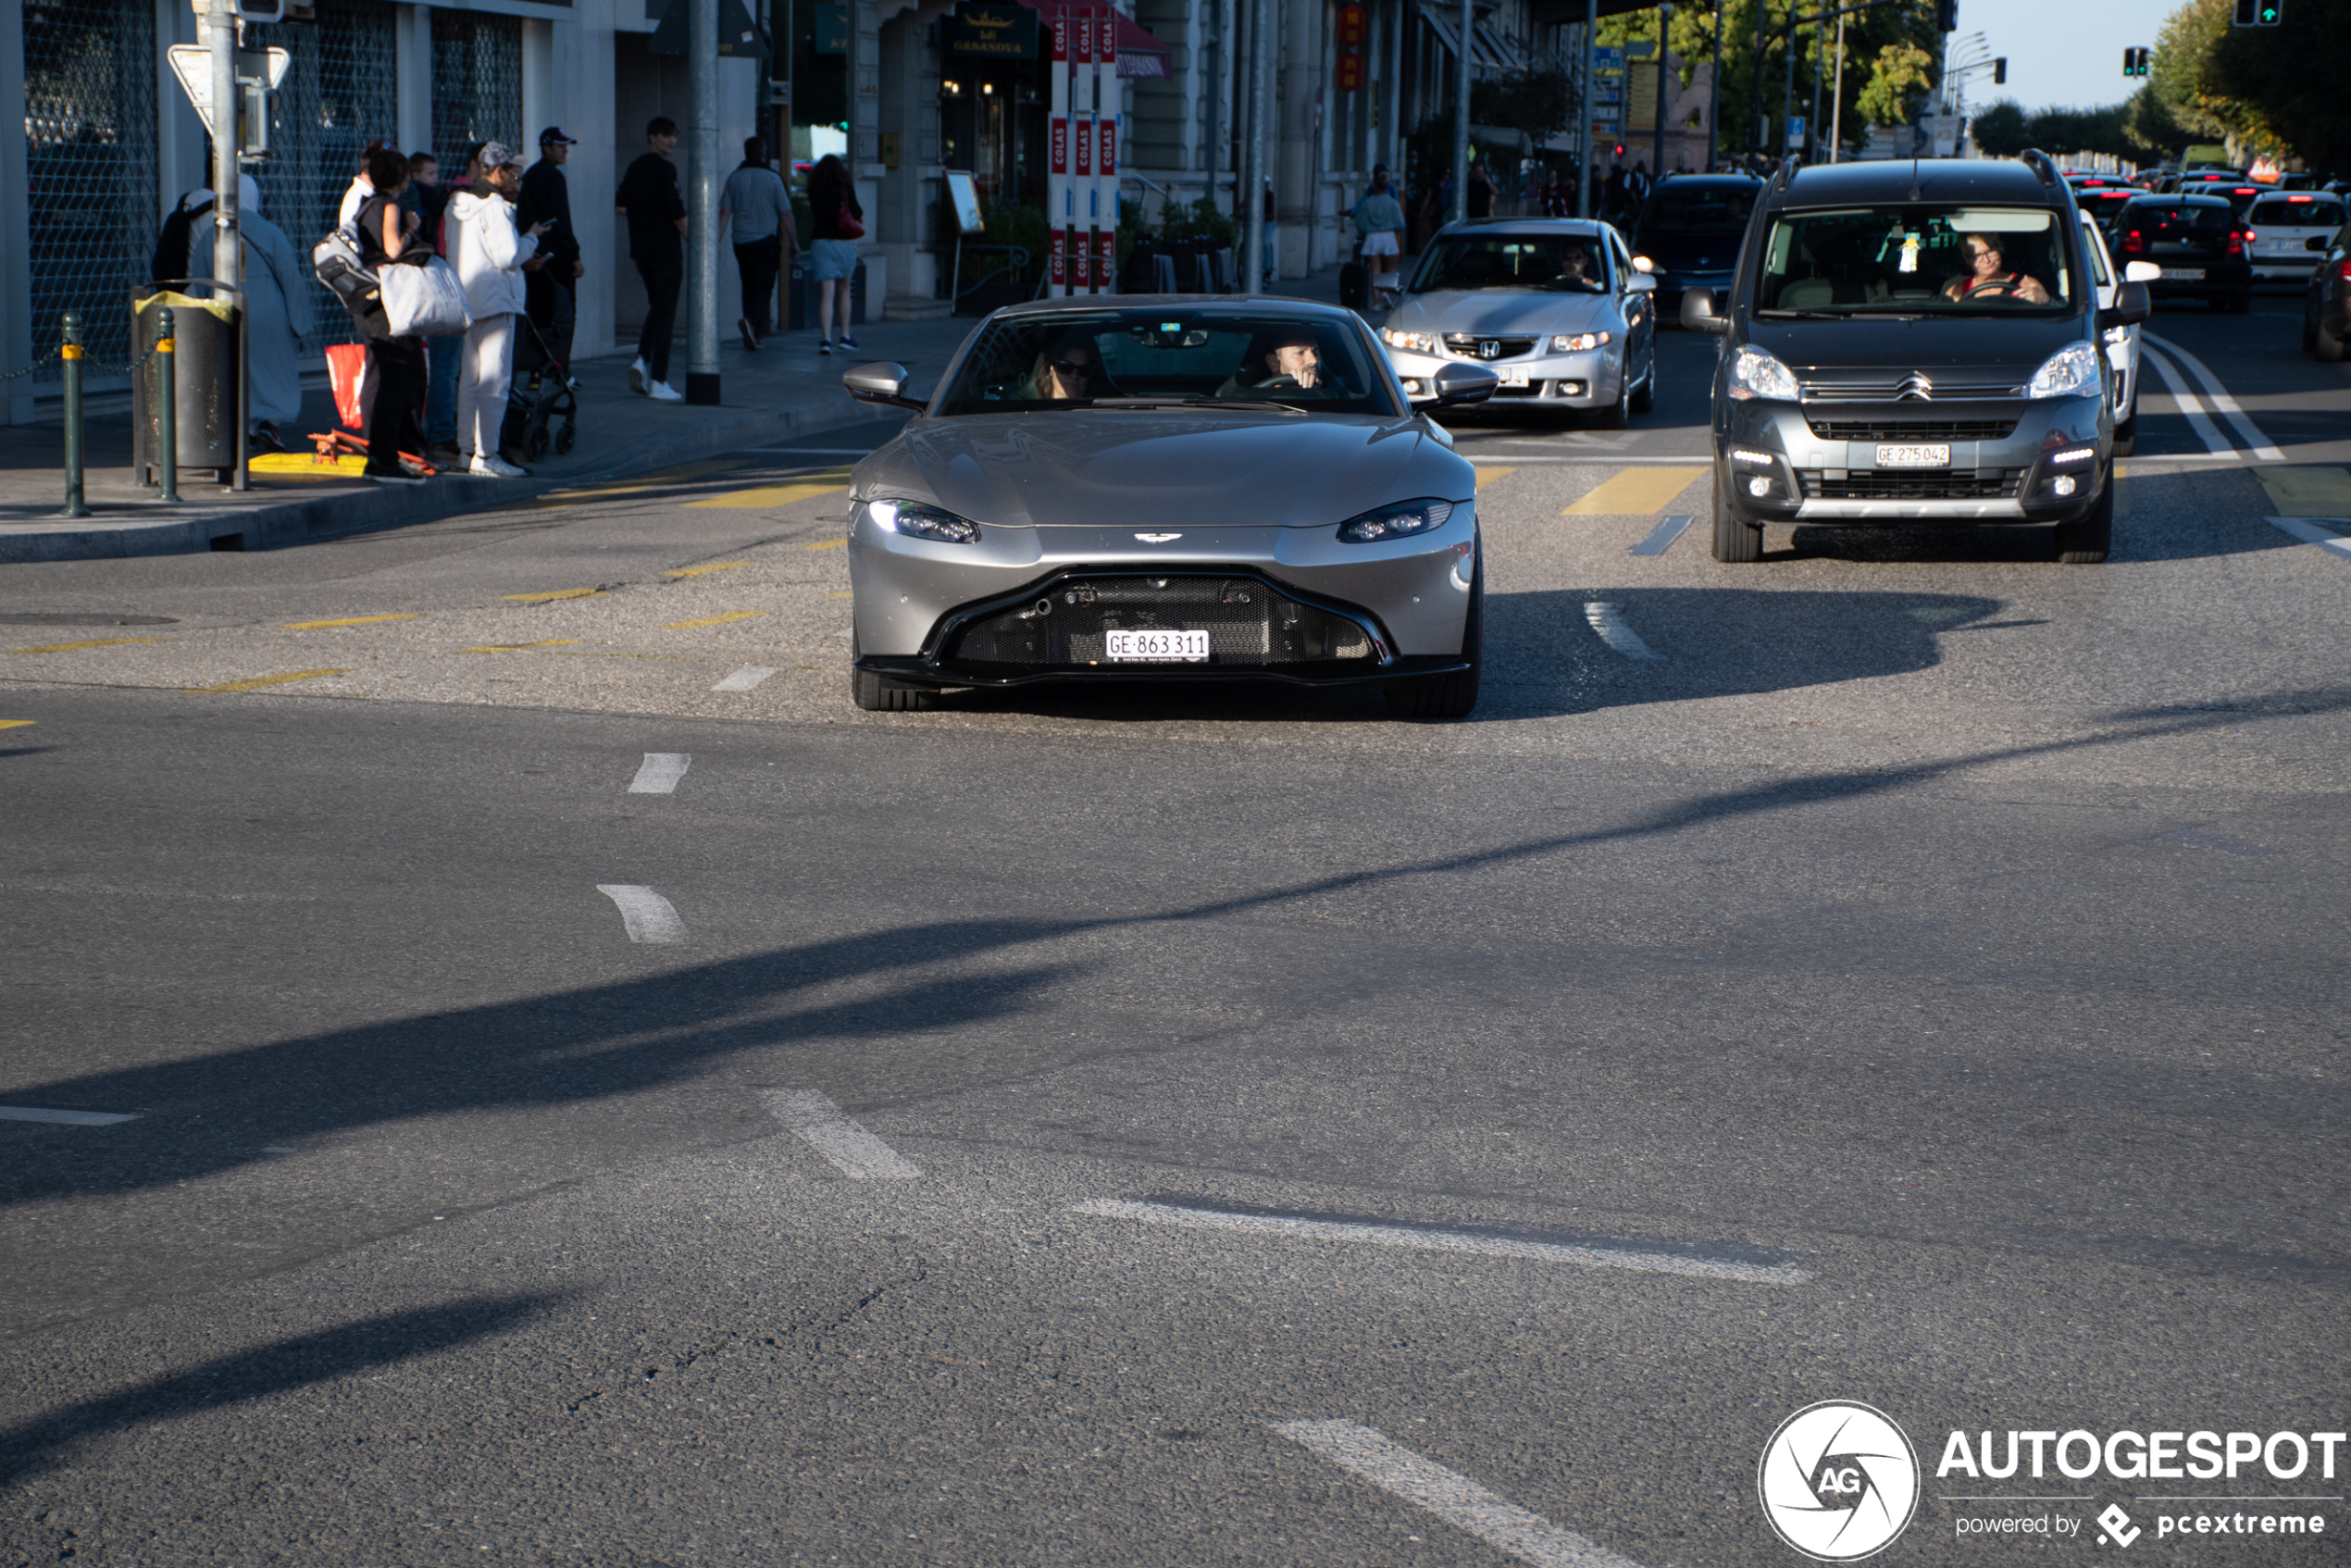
<point>1553,306</point>
<point>1157,488</point>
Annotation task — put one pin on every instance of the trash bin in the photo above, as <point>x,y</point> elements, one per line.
<point>207,336</point>
<point>801,313</point>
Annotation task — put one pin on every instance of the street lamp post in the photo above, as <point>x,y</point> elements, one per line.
<point>1460,115</point>
<point>702,199</point>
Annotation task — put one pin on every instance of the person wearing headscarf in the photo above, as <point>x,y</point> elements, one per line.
<point>278,312</point>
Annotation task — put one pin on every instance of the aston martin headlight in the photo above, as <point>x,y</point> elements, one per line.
<point>1579,342</point>
<point>917,521</point>
<point>1419,342</point>
<point>2071,371</point>
<point>1396,522</point>
<point>1757,374</point>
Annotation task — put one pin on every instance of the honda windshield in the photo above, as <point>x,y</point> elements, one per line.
<point>1916,259</point>
<point>1561,263</point>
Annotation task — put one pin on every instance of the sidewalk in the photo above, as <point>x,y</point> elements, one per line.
<point>787,389</point>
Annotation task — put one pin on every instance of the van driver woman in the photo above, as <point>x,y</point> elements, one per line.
<point>1987,282</point>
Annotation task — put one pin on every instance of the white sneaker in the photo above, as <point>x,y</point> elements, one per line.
<point>663,393</point>
<point>493,468</point>
<point>637,377</point>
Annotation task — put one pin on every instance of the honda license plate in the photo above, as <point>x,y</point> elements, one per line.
<point>2184,274</point>
<point>1914,456</point>
<point>1514,377</point>
<point>1158,647</point>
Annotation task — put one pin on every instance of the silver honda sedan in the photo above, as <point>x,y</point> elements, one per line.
<point>1554,307</point>
<point>1166,488</point>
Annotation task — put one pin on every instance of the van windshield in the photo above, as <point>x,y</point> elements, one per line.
<point>1917,259</point>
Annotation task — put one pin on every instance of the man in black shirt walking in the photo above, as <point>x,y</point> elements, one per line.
<point>550,279</point>
<point>649,198</point>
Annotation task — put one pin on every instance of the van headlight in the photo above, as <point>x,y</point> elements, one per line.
<point>917,521</point>
<point>2071,371</point>
<point>1757,374</point>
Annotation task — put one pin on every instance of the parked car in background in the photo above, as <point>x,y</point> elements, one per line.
<point>1553,306</point>
<point>1689,233</point>
<point>2196,244</point>
<point>2326,301</point>
<point>2284,224</point>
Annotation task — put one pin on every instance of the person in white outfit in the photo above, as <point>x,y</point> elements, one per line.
<point>489,256</point>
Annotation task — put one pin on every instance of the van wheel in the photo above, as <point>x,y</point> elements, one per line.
<point>2126,429</point>
<point>1734,540</point>
<point>2084,543</point>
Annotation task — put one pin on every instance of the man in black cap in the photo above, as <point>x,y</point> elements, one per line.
<point>550,279</point>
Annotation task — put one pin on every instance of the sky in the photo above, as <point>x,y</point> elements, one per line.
<point>2062,54</point>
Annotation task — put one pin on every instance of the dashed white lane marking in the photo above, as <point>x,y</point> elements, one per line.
<point>2190,404</point>
<point>70,1118</point>
<point>1441,1241</point>
<point>745,679</point>
<point>2311,533</point>
<point>1608,620</point>
<point>1450,1495</point>
<point>819,1123</point>
<point>659,772</point>
<point>649,916</point>
<point>1660,538</point>
<point>2260,444</point>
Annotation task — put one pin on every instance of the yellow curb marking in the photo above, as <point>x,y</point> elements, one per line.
<point>716,620</point>
<point>845,594</point>
<point>1488,476</point>
<point>101,642</point>
<point>259,681</point>
<point>716,566</point>
<point>592,654</point>
<point>765,496</point>
<point>2308,493</point>
<point>829,544</point>
<point>518,647</point>
<point>355,620</point>
<point>297,465</point>
<point>1633,493</point>
<point>546,598</point>
<point>16,723</point>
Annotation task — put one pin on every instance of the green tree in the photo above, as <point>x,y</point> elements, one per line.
<point>2001,128</point>
<point>2290,79</point>
<point>2154,132</point>
<point>1900,78</point>
<point>2186,75</point>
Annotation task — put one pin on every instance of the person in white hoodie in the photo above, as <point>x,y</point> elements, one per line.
<point>489,256</point>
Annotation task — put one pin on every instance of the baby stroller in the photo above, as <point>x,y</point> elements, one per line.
<point>539,395</point>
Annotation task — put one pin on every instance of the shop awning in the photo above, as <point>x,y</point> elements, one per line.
<point>1489,49</point>
<point>1139,54</point>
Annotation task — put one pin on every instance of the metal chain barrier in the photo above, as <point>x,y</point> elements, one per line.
<point>47,358</point>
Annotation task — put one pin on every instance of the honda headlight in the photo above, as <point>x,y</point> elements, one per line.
<point>1419,342</point>
<point>1757,374</point>
<point>2071,371</point>
<point>1396,522</point>
<point>917,521</point>
<point>1579,342</point>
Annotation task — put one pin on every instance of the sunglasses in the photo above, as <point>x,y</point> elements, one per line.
<point>1073,368</point>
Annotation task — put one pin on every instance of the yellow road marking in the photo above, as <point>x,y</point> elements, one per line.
<point>259,681</point>
<point>697,571</point>
<point>765,496</point>
<point>829,544</point>
<point>1488,476</point>
<point>631,486</point>
<point>518,647</point>
<point>844,594</point>
<point>546,598</point>
<point>716,620</point>
<point>299,466</point>
<point>101,642</point>
<point>1633,493</point>
<point>2308,493</point>
<point>595,653</point>
<point>355,620</point>
<point>16,723</point>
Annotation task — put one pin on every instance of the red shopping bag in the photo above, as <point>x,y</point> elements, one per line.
<point>347,370</point>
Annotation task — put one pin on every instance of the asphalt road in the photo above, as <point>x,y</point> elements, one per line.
<point>1181,1127</point>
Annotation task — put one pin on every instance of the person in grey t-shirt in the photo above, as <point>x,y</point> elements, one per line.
<point>758,204</point>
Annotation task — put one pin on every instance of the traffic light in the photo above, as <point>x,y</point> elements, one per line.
<point>2245,13</point>
<point>1947,16</point>
<point>2266,12</point>
<point>2001,71</point>
<point>2136,62</point>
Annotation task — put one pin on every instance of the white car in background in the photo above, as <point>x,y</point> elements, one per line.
<point>2284,224</point>
<point>2121,343</point>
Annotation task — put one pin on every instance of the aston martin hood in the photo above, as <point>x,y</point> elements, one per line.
<point>1163,469</point>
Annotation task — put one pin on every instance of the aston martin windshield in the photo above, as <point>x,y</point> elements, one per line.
<point>1138,358</point>
<point>1564,263</point>
<point>1916,259</point>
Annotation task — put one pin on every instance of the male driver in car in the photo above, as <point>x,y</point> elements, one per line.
<point>1986,281</point>
<point>1293,360</point>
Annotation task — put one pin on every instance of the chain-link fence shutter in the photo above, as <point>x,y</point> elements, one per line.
<point>477,84</point>
<point>89,144</point>
<point>341,92</point>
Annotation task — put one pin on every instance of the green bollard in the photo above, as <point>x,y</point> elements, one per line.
<point>70,350</point>
<point>168,405</point>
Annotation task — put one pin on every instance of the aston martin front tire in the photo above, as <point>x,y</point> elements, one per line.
<point>1452,695</point>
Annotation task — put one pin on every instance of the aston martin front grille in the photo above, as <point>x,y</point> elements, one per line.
<point>1250,625</point>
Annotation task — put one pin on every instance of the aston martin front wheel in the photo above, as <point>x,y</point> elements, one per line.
<point>1452,695</point>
